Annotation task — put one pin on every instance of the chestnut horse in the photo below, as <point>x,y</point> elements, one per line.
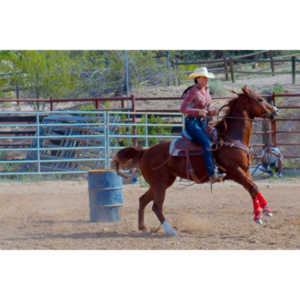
<point>232,155</point>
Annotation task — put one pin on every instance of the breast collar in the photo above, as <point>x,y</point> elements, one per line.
<point>237,144</point>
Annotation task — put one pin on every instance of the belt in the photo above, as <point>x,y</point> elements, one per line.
<point>199,119</point>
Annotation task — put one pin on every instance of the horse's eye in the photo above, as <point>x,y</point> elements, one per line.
<point>261,100</point>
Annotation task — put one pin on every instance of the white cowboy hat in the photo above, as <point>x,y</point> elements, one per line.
<point>201,72</point>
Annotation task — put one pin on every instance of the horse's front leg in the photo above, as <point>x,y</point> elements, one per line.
<point>240,176</point>
<point>262,201</point>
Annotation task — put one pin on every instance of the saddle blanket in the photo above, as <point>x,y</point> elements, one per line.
<point>178,147</point>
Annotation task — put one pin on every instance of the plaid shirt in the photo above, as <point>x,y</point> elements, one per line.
<point>194,100</point>
<point>271,155</point>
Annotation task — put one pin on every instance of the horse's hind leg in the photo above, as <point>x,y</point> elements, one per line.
<point>144,200</point>
<point>159,197</point>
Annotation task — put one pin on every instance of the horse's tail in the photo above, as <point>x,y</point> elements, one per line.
<point>127,159</point>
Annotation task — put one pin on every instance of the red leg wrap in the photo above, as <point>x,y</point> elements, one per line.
<point>256,208</point>
<point>262,200</point>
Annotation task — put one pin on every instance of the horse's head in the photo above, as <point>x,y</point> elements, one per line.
<point>255,104</point>
<point>247,105</point>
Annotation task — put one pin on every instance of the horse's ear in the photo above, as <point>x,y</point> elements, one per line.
<point>232,91</point>
<point>246,90</point>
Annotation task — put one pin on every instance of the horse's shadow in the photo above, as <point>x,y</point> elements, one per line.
<point>94,235</point>
<point>107,234</point>
<point>50,222</point>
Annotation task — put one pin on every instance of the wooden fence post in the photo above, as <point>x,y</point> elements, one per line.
<point>96,104</point>
<point>177,82</point>
<point>51,104</point>
<point>294,69</point>
<point>175,71</point>
<point>168,67</point>
<point>226,68</point>
<point>272,63</point>
<point>231,69</point>
<point>18,94</point>
<point>133,109</point>
<point>274,126</point>
<point>267,136</point>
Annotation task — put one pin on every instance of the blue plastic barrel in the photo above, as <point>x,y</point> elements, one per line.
<point>105,195</point>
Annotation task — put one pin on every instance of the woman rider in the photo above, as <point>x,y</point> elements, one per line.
<point>196,108</point>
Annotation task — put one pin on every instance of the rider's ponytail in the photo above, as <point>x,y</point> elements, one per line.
<point>187,89</point>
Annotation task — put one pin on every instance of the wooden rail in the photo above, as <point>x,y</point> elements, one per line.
<point>228,65</point>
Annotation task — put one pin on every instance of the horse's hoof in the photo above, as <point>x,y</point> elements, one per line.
<point>143,229</point>
<point>267,212</point>
<point>258,221</point>
<point>171,233</point>
<point>168,229</point>
<point>155,229</point>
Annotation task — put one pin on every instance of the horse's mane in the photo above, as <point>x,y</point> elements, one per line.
<point>221,126</point>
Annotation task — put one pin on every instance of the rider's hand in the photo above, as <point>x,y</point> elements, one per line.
<point>213,112</point>
<point>202,112</point>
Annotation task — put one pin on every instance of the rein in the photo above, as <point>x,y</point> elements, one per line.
<point>232,142</point>
<point>239,118</point>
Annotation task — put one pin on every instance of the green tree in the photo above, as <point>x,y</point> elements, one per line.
<point>48,73</point>
<point>10,70</point>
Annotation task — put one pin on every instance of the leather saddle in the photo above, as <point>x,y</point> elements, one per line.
<point>184,146</point>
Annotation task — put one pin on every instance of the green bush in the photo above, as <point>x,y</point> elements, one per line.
<point>278,88</point>
<point>88,107</point>
<point>156,130</point>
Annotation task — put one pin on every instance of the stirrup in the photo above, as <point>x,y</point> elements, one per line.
<point>216,178</point>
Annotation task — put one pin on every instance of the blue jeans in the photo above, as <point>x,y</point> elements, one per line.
<point>195,128</point>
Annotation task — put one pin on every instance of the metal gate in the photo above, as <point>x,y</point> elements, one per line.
<point>71,142</point>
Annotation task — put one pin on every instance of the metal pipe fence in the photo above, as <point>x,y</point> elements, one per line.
<point>59,142</point>
<point>72,142</point>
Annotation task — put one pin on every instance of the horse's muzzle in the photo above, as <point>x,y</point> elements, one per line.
<point>274,113</point>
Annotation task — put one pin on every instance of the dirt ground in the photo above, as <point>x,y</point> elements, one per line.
<point>55,215</point>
